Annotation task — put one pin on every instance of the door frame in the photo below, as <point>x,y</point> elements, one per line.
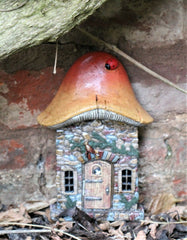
<point>112,182</point>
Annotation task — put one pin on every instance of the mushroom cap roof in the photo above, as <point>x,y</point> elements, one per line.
<point>89,86</point>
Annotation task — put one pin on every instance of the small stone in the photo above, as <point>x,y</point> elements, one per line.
<point>78,204</point>
<point>123,216</point>
<point>86,135</point>
<point>60,137</point>
<point>135,145</point>
<point>121,135</point>
<point>77,131</point>
<point>119,143</point>
<point>135,140</point>
<point>81,159</point>
<point>57,177</point>
<point>66,143</point>
<point>95,123</point>
<point>127,146</point>
<point>132,135</point>
<point>88,128</point>
<point>99,128</point>
<point>59,196</point>
<point>59,152</point>
<point>69,135</point>
<point>133,161</point>
<point>76,139</point>
<point>97,215</point>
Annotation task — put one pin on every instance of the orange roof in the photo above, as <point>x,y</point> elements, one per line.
<point>97,82</point>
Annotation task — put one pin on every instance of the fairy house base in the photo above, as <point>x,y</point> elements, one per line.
<point>97,169</point>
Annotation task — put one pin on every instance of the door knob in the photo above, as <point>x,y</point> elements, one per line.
<point>107,190</point>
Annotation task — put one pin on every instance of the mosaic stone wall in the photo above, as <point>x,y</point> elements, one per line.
<point>114,142</point>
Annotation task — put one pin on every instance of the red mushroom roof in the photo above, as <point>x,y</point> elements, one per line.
<point>95,87</point>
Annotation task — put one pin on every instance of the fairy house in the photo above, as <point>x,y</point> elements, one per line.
<point>96,117</point>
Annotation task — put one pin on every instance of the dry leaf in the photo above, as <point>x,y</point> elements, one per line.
<point>56,237</point>
<point>48,215</point>
<point>169,228</point>
<point>104,226</point>
<point>128,236</point>
<point>40,213</point>
<point>117,223</point>
<point>14,215</point>
<point>65,226</point>
<point>141,235</point>
<point>162,203</point>
<point>33,206</point>
<point>177,210</point>
<point>145,222</point>
<point>23,211</point>
<point>28,238</point>
<point>153,230</point>
<point>43,237</point>
<point>184,214</point>
<point>118,232</point>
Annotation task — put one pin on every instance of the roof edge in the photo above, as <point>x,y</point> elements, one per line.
<point>97,114</point>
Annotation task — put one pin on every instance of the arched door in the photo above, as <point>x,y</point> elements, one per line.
<point>97,185</point>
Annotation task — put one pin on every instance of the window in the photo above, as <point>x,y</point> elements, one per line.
<point>126,180</point>
<point>96,170</point>
<point>68,181</point>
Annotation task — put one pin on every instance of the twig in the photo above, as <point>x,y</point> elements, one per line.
<point>163,223</point>
<point>56,57</point>
<point>132,60</point>
<point>83,227</point>
<point>13,9</point>
<point>3,232</point>
<point>39,226</point>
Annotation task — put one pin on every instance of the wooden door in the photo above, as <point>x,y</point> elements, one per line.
<point>97,185</point>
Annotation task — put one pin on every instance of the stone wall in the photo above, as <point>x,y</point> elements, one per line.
<point>153,33</point>
<point>99,143</point>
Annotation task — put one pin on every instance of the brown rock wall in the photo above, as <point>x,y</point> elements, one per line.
<point>163,158</point>
<point>151,32</point>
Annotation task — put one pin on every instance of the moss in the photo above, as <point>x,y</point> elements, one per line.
<point>128,204</point>
<point>69,203</point>
<point>169,150</point>
<point>102,143</point>
<point>79,145</point>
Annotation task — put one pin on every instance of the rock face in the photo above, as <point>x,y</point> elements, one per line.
<point>151,32</point>
<point>31,23</point>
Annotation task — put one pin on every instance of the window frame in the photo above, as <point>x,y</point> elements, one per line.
<point>133,179</point>
<point>74,181</point>
<point>69,181</point>
<point>96,165</point>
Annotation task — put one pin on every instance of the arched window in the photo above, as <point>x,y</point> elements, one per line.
<point>126,180</point>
